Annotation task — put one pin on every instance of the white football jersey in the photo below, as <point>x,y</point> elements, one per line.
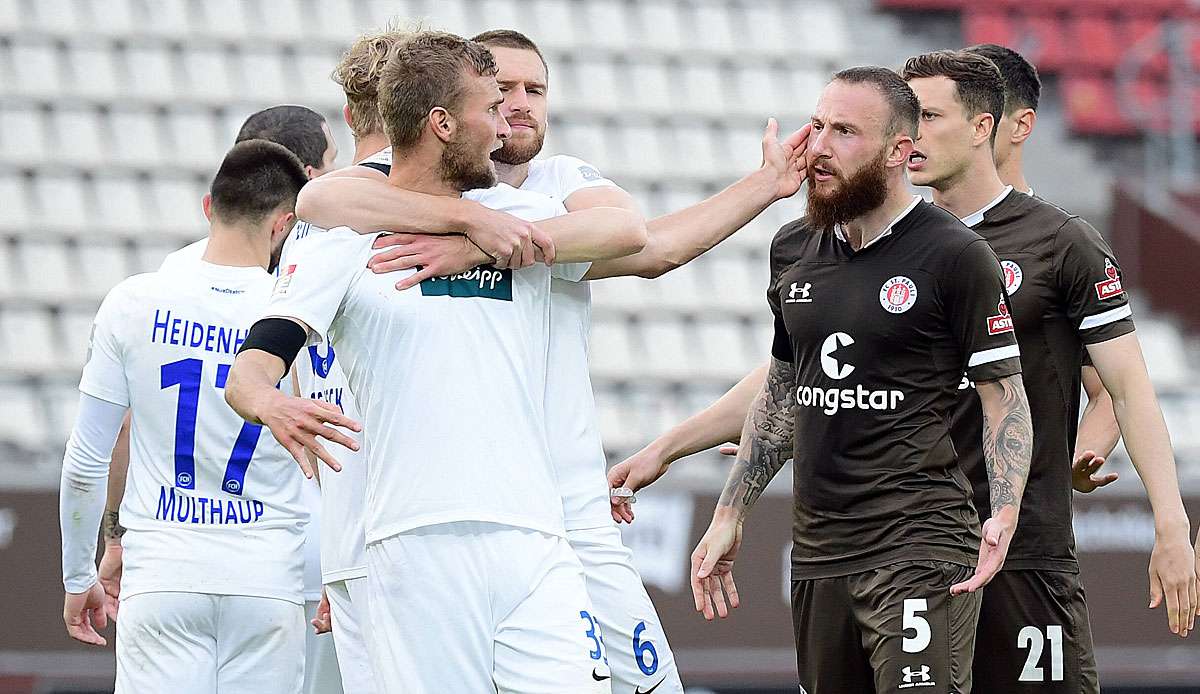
<point>575,444</point>
<point>449,377</point>
<point>212,503</point>
<point>320,377</point>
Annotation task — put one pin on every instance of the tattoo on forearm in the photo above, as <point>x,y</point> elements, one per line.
<point>1007,443</point>
<point>111,527</point>
<point>766,442</point>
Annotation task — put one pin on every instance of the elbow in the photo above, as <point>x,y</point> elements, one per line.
<point>308,203</point>
<point>633,235</point>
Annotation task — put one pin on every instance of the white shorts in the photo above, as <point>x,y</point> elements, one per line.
<point>481,607</point>
<point>348,607</point>
<point>638,653</point>
<point>196,643</point>
<point>321,675</point>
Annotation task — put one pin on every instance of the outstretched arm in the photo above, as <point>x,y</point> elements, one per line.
<point>361,198</point>
<point>720,422</point>
<point>1007,450</point>
<point>1121,366</point>
<point>677,238</point>
<point>766,444</point>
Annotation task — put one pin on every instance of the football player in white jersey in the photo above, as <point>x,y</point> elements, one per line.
<point>305,133</point>
<point>471,582</point>
<point>211,589</point>
<point>639,655</point>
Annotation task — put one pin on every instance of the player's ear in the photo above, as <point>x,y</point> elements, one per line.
<point>1023,122</point>
<point>442,123</point>
<point>902,149</point>
<point>346,115</point>
<point>283,225</point>
<point>206,205</point>
<point>984,124</point>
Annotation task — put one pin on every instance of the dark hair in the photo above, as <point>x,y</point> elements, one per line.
<point>256,178</point>
<point>511,38</point>
<point>906,110</point>
<point>977,81</point>
<point>1022,86</point>
<point>425,72</point>
<point>298,128</point>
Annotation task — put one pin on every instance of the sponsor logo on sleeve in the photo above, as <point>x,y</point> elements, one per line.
<point>284,282</point>
<point>482,282</point>
<point>1111,286</point>
<point>589,174</point>
<point>898,294</point>
<point>799,293</point>
<point>1002,323</point>
<point>1012,276</point>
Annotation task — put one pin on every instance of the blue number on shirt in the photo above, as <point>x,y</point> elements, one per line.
<point>596,635</point>
<point>186,374</point>
<point>640,648</point>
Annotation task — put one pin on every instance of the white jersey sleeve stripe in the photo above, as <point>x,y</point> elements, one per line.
<point>1107,317</point>
<point>988,356</point>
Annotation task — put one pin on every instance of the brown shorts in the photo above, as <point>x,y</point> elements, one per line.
<point>891,630</point>
<point>1034,636</point>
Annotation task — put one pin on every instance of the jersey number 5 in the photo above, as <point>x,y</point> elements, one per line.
<point>186,374</point>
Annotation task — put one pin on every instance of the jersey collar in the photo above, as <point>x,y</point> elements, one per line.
<point>887,231</point>
<point>977,217</point>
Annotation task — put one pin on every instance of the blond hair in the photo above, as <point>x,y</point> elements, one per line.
<point>357,73</point>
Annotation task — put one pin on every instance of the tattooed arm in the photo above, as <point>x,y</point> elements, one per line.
<point>1007,450</point>
<point>766,445</point>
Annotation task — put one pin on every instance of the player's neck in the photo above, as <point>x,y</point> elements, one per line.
<point>1012,173</point>
<point>368,145</point>
<point>234,246</point>
<point>970,190</point>
<point>513,174</point>
<point>864,229</point>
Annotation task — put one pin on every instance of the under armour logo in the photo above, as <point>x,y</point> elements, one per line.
<point>910,674</point>
<point>798,294</point>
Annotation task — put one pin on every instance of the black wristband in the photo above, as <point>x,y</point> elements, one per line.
<point>279,336</point>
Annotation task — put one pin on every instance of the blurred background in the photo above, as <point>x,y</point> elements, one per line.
<point>115,113</point>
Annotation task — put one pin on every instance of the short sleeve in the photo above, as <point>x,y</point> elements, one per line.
<point>104,372</point>
<point>572,174</point>
<point>781,343</point>
<point>978,312</point>
<point>1090,282</point>
<point>571,272</point>
<point>316,278</point>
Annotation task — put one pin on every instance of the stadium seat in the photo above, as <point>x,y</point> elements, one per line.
<point>692,148</point>
<point>175,205</point>
<point>77,137</point>
<point>63,203</point>
<point>16,215</point>
<point>596,86</point>
<point>612,414</point>
<point>76,328</point>
<point>22,135</point>
<point>167,18</point>
<point>36,68</point>
<point>722,342</point>
<point>825,34</point>
<point>667,349</point>
<point>504,13</point>
<point>22,418</point>
<point>63,405</point>
<point>611,352</point>
<point>713,22</point>
<point>265,75</point>
<point>1166,353</point>
<point>114,18</point>
<point>643,152</point>
<point>621,293</point>
<point>730,272</point>
<point>986,26</point>
<point>1146,29</point>
<point>1043,38</point>
<point>758,91</point>
<point>555,25</point>
<point>279,20</point>
<point>224,19</point>
<point>121,207</point>
<point>149,256</point>
<point>652,86</point>
<point>207,74</point>
<point>55,16</point>
<point>769,23</point>
<point>92,67</point>
<point>607,22</point>
<point>102,267</point>
<point>742,148</point>
<point>703,88</point>
<point>331,20</point>
<point>316,87</point>
<point>194,140</point>
<point>136,139</point>
<point>678,291</point>
<point>660,26</point>
<point>591,142</point>
<point>29,340</point>
<point>150,73</point>
<point>10,15</point>
<point>47,270</point>
<point>1096,42</point>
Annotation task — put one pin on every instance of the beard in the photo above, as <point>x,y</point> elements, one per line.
<point>464,168</point>
<point>864,191</point>
<point>515,154</point>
